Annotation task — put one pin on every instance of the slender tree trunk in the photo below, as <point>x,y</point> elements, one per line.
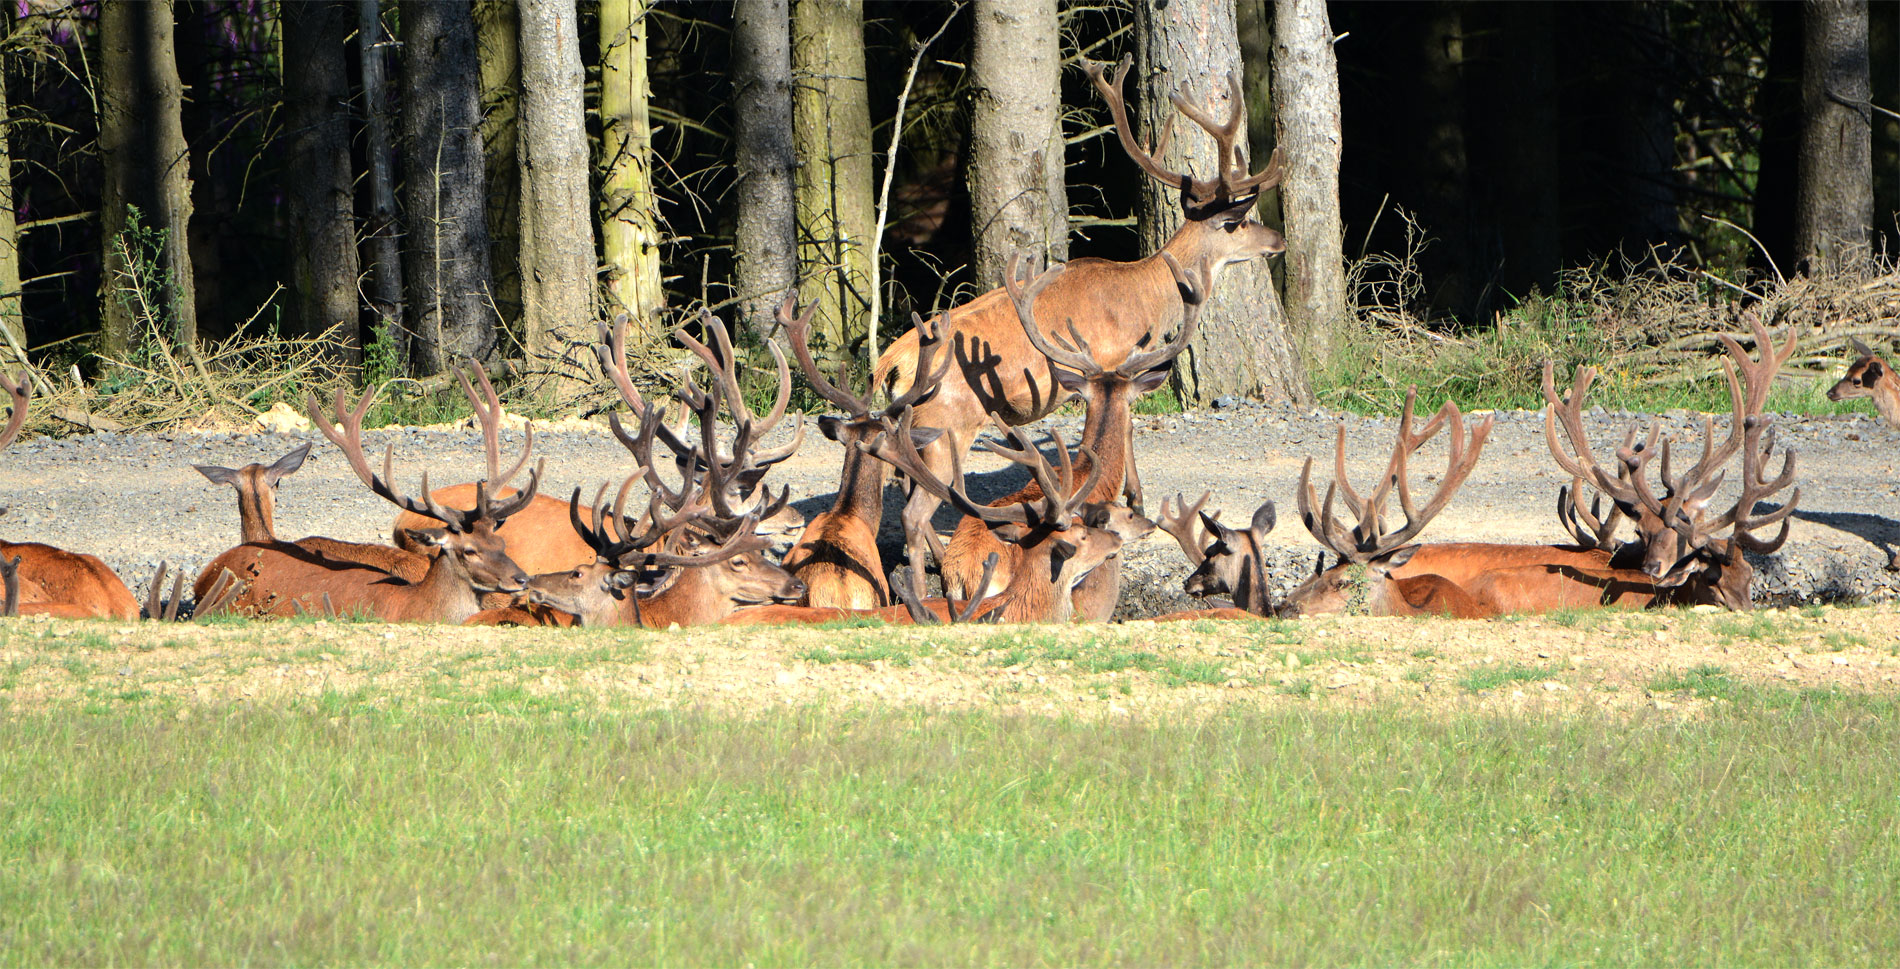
<point>1242,348</point>
<point>12,314</point>
<point>1307,76</point>
<point>1018,197</point>
<point>557,218</point>
<point>831,121</point>
<point>1253,22</point>
<point>445,267</point>
<point>629,209</point>
<point>142,143</point>
<point>382,245</point>
<point>765,235</point>
<point>1834,206</point>
<point>497,29</point>
<point>321,198</point>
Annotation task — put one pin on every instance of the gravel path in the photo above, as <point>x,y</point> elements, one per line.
<point>134,499</point>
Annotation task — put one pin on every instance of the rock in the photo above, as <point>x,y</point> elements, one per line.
<point>282,419</point>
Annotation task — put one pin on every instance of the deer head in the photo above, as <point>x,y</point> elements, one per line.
<point>256,486</point>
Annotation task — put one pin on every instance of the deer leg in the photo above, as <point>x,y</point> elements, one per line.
<point>919,533</point>
<point>1131,485</point>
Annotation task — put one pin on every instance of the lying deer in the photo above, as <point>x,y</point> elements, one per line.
<point>41,580</point>
<point>1870,376</point>
<point>1107,430</point>
<point>466,554</point>
<point>256,487</point>
<point>1115,307</point>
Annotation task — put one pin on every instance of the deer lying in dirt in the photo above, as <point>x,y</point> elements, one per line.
<point>40,580</point>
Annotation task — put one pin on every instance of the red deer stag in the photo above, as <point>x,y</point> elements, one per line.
<point>466,555</point>
<point>1108,430</point>
<point>1870,377</point>
<point>836,556</point>
<point>1115,306</point>
<point>41,580</point>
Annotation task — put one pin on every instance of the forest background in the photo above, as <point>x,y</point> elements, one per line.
<point>212,205</point>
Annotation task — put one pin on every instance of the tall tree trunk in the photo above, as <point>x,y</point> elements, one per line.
<point>1242,348</point>
<point>382,248</point>
<point>557,218</point>
<point>1307,76</point>
<point>445,267</point>
<point>1253,22</point>
<point>321,196</point>
<point>1018,197</point>
<point>765,233</point>
<point>12,315</point>
<point>831,121</point>
<point>629,209</point>
<point>497,31</point>
<point>1779,106</point>
<point>142,143</point>
<point>1834,205</point>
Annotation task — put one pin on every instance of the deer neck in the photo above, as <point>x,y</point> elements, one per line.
<point>1250,593</point>
<point>1105,432</point>
<point>691,599</point>
<point>1190,244</point>
<point>255,515</point>
<point>447,589</point>
<point>861,488</point>
<point>1886,394</point>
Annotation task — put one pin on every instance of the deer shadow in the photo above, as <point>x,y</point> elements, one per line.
<point>1877,530</point>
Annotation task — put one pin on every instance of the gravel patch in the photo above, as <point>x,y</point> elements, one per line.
<point>133,499</point>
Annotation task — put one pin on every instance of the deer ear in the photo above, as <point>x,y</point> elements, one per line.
<point>623,579</point>
<point>1148,382</point>
<point>1219,530</point>
<point>1070,381</point>
<point>427,537</point>
<point>1263,520</point>
<point>1393,560</point>
<point>1860,348</point>
<point>1064,550</point>
<point>1875,371</point>
<point>923,437</point>
<point>1234,214</point>
<point>216,474</point>
<point>831,427</point>
<point>287,464</point>
<point>1008,531</point>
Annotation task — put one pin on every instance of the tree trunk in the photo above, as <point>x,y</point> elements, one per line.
<point>765,234</point>
<point>1018,199</point>
<point>557,219</point>
<point>629,209</point>
<point>497,27</point>
<point>382,248</point>
<point>146,160</point>
<point>1307,76</point>
<point>320,198</point>
<point>1834,205</point>
<point>446,263</point>
<point>831,122</point>
<point>12,315</point>
<point>1253,22</point>
<point>1242,348</point>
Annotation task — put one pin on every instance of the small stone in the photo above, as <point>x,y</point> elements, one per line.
<point>1293,661</point>
<point>1704,609</point>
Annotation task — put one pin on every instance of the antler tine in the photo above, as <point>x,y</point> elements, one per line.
<point>1229,182</point>
<point>1749,397</point>
<point>900,452</point>
<point>345,429</point>
<point>745,539</point>
<point>1233,180</point>
<point>19,393</point>
<point>217,599</point>
<point>908,587</point>
<point>1569,411</point>
<point>932,336</point>
<point>1194,292</point>
<point>1185,525</point>
<point>1111,92</point>
<point>1321,523</point>
<point>488,414</point>
<point>1023,288</point>
<point>1059,496</point>
<point>978,594</point>
<point>154,604</point>
<point>798,333</point>
<point>1461,458</point>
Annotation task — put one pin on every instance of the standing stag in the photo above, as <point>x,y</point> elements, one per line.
<point>1115,307</point>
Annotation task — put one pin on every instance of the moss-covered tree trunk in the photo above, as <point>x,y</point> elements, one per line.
<point>497,32</point>
<point>321,198</point>
<point>831,122</point>
<point>1834,203</point>
<point>765,224</point>
<point>382,249</point>
<point>1242,349</point>
<point>445,262</point>
<point>1306,75</point>
<point>557,214</point>
<point>629,210</point>
<point>1018,196</point>
<point>147,165</point>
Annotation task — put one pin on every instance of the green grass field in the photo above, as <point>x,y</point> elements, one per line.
<point>344,829</point>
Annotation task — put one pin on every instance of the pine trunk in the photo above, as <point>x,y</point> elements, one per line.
<point>1306,74</point>
<point>146,160</point>
<point>765,234</point>
<point>557,219</point>
<point>1253,22</point>
<point>629,209</point>
<point>1242,348</point>
<point>831,122</point>
<point>382,249</point>
<point>1018,197</point>
<point>1834,204</point>
<point>497,27</point>
<point>320,199</point>
<point>12,315</point>
<point>445,267</point>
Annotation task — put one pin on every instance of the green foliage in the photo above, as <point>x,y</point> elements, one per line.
<point>1491,677</point>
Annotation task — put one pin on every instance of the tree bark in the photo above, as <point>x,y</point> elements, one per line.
<point>142,144</point>
<point>1253,22</point>
<point>382,247</point>
<point>831,122</point>
<point>12,314</point>
<point>1242,348</point>
<point>765,234</point>
<point>321,198</point>
<point>497,26</point>
<point>629,209</point>
<point>1307,75</point>
<point>445,267</point>
<point>557,218</point>
<point>1018,198</point>
<point>1834,205</point>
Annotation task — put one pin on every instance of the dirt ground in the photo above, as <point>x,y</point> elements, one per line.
<point>1679,662</point>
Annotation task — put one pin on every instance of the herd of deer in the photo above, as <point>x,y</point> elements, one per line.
<point>697,551</point>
